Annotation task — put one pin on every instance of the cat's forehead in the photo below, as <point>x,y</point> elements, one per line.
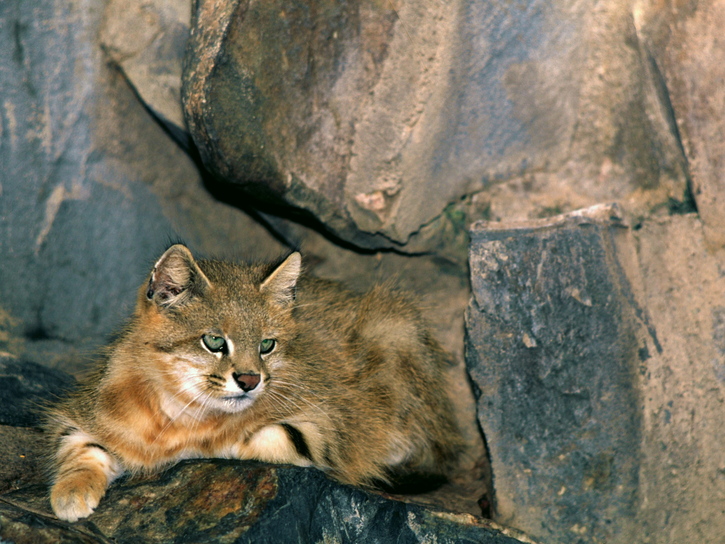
<point>228,275</point>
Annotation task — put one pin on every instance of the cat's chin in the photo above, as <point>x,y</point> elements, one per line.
<point>232,404</point>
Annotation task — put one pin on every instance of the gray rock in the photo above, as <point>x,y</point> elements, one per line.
<point>685,46</point>
<point>555,341</point>
<point>228,501</point>
<point>597,356</point>
<point>25,385</point>
<point>92,188</point>
<point>376,121</point>
<point>147,41</point>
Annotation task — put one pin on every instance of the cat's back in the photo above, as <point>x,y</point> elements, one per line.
<point>383,318</point>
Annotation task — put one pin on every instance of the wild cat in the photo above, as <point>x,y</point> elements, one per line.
<point>222,360</point>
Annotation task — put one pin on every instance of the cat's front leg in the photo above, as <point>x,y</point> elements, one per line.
<point>83,471</point>
<point>277,443</point>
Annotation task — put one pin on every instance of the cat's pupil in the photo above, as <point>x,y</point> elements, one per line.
<point>214,343</point>
<point>267,345</point>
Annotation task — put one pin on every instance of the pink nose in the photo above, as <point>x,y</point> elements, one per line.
<point>246,382</point>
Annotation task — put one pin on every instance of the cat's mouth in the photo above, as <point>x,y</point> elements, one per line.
<point>237,393</point>
<point>236,403</point>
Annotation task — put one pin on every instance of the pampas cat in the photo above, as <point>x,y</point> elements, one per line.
<point>256,362</point>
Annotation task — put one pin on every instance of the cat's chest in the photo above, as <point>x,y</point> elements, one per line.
<point>167,431</point>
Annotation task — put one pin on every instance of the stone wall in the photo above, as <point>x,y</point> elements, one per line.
<point>596,354</point>
<point>373,135</point>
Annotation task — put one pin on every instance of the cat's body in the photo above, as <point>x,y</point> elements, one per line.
<point>231,361</point>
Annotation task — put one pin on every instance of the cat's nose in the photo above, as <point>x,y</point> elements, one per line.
<point>246,382</point>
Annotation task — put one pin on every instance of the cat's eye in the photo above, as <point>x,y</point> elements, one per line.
<point>215,344</point>
<point>267,345</point>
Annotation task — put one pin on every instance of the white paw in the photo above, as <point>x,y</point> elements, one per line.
<point>72,503</point>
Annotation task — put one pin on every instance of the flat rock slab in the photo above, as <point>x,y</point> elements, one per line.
<point>220,501</point>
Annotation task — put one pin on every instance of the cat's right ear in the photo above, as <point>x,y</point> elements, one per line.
<point>175,278</point>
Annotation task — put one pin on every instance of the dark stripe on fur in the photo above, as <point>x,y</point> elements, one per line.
<point>95,445</point>
<point>298,440</point>
<point>67,432</point>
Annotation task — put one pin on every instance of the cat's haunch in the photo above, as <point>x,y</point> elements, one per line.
<point>222,360</point>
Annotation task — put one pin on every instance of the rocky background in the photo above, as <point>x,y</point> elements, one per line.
<point>436,142</point>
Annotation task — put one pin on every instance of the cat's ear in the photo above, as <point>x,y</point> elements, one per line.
<point>176,278</point>
<point>282,282</point>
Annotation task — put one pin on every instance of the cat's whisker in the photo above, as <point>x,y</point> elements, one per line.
<point>286,398</point>
<point>303,388</point>
<point>188,386</point>
<point>284,405</point>
<point>197,420</point>
<point>172,420</point>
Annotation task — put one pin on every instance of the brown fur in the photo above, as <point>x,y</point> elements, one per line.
<point>354,384</point>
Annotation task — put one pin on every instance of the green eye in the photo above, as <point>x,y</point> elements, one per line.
<point>267,345</point>
<point>215,344</point>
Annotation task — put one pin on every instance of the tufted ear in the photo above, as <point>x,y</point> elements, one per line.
<point>176,278</point>
<point>281,284</point>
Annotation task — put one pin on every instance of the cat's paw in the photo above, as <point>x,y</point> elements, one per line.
<point>76,496</point>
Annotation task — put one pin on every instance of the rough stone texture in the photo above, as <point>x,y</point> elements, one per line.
<point>685,45</point>
<point>376,116</point>
<point>553,352</point>
<point>20,449</point>
<point>601,394</point>
<point>91,188</point>
<point>23,385</point>
<point>682,484</point>
<point>147,41</point>
<point>227,501</point>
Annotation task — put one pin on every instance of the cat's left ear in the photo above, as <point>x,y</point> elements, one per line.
<point>281,284</point>
<point>176,278</point>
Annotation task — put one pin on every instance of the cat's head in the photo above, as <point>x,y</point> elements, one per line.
<point>218,331</point>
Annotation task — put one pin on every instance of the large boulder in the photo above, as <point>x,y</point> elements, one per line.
<point>554,352</point>
<point>146,40</point>
<point>600,394</point>
<point>377,118</point>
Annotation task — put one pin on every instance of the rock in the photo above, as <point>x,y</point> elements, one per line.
<point>24,385</point>
<point>685,47</point>
<point>21,454</point>
<point>596,354</point>
<point>147,41</point>
<point>92,189</point>
<point>555,341</point>
<point>228,501</point>
<point>377,119</point>
<point>20,526</point>
<point>682,483</point>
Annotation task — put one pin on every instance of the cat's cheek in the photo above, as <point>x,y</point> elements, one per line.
<point>275,363</point>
